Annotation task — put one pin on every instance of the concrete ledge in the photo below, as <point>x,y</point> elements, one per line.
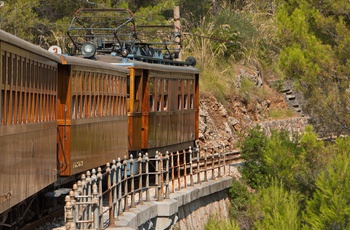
<point>138,216</point>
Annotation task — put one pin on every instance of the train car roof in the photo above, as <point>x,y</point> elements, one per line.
<point>166,66</point>
<point>74,60</point>
<point>24,45</point>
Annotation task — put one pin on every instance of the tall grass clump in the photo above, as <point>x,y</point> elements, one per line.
<point>216,43</point>
<point>217,223</point>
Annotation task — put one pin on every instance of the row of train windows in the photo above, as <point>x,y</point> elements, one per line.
<point>28,90</point>
<point>24,107</point>
<point>97,106</point>
<point>181,96</point>
<point>162,104</point>
<point>97,82</point>
<point>18,71</point>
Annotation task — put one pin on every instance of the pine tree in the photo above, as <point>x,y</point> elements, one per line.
<point>330,206</point>
<point>278,208</point>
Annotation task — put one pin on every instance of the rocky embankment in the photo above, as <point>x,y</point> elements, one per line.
<point>226,125</point>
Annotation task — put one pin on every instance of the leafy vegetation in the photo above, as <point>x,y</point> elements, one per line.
<point>301,182</point>
<point>254,169</point>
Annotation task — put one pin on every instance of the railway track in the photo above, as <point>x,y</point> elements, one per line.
<point>44,223</point>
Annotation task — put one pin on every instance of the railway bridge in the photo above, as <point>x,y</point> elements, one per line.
<point>183,188</point>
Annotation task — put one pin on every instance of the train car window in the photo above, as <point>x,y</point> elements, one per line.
<point>7,113</point>
<point>191,101</point>
<point>151,94</point>
<point>165,95</point>
<point>83,106</point>
<point>138,94</point>
<point>185,103</point>
<point>191,94</point>
<point>151,103</point>
<point>128,87</point>
<point>179,97</point>
<point>159,101</point>
<point>165,103</point>
<point>80,107</point>
<point>159,93</point>
<point>73,107</point>
<point>95,106</point>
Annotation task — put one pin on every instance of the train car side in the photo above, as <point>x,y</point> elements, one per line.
<point>92,117</point>
<point>163,107</point>
<point>28,88</point>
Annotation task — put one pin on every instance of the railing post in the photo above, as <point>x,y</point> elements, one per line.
<point>167,175</point>
<point>79,191</point>
<point>94,201</point>
<point>198,164</point>
<point>160,177</point>
<point>205,164</point>
<point>126,205</point>
<point>185,168</point>
<point>89,194</point>
<point>219,165</point>
<point>224,150</point>
<point>212,163</point>
<point>178,171</point>
<point>73,204</point>
<point>191,166</point>
<point>156,157</point>
<point>100,196</point>
<point>172,172</point>
<point>139,161</point>
<point>95,209</point>
<point>114,200</point>
<point>133,204</point>
<point>84,199</point>
<point>69,215</point>
<point>147,178</point>
<point>119,181</point>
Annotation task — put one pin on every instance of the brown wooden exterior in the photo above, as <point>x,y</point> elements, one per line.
<point>28,87</point>
<point>168,115</point>
<point>92,116</point>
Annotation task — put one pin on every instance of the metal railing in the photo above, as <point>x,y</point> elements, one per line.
<point>99,197</point>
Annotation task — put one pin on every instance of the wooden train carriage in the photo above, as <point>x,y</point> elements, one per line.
<point>92,116</point>
<point>163,106</point>
<point>28,88</point>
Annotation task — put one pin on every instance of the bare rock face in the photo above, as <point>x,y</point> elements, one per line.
<point>221,125</point>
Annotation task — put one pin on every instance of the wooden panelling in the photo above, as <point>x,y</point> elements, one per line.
<point>92,117</point>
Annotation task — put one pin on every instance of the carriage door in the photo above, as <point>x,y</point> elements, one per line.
<point>134,110</point>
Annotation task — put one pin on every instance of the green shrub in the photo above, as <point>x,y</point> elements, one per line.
<point>253,169</point>
<point>281,157</point>
<point>239,196</point>
<point>278,208</point>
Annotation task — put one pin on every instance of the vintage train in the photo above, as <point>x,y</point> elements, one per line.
<point>113,95</point>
